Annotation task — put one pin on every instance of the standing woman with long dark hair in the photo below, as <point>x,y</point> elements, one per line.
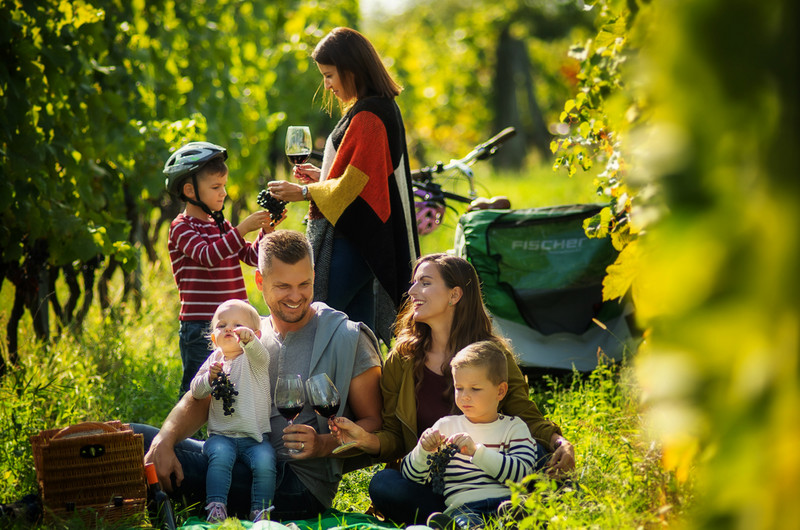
<point>361,222</point>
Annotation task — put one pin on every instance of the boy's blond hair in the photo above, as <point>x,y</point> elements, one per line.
<point>241,304</point>
<point>486,354</point>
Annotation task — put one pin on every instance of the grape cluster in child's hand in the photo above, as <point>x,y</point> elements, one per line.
<point>438,462</point>
<point>222,388</point>
<point>274,206</point>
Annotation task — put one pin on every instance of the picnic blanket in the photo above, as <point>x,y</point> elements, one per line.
<point>330,519</point>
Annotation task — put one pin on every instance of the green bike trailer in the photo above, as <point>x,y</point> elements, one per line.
<point>541,278</point>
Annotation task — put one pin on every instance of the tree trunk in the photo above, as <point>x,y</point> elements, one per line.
<point>30,287</point>
<point>512,155</point>
<point>58,311</point>
<point>71,278</point>
<point>515,104</point>
<point>149,241</point>
<point>88,273</point>
<point>102,284</point>
<point>39,304</point>
<point>133,280</point>
<point>538,132</point>
<point>12,332</point>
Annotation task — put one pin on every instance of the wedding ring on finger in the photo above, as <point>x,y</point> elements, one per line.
<point>302,446</point>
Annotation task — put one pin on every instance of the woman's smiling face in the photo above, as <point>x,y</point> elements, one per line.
<point>429,294</point>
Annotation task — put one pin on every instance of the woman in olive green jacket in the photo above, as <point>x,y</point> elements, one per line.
<point>443,313</point>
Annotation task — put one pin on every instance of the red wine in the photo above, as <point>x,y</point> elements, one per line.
<point>299,158</point>
<point>290,413</point>
<point>327,411</point>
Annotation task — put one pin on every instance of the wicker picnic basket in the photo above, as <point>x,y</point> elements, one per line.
<point>95,469</point>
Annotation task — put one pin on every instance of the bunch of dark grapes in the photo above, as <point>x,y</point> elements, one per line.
<point>438,463</point>
<point>271,204</point>
<point>222,388</point>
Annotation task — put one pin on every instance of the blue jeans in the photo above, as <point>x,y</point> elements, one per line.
<point>350,283</point>
<point>472,514</point>
<point>407,502</point>
<point>401,500</point>
<point>223,452</point>
<point>195,345</point>
<point>292,501</point>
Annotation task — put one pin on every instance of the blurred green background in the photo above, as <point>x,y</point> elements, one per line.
<point>682,114</point>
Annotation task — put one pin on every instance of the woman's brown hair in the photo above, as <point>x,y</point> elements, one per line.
<point>358,65</point>
<point>471,322</point>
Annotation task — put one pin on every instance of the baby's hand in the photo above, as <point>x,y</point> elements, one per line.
<point>213,371</point>
<point>245,334</point>
<point>464,442</point>
<point>431,439</point>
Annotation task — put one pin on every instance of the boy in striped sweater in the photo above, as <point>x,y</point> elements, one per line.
<point>204,248</point>
<point>492,448</point>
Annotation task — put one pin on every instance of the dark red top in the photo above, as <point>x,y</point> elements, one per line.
<point>431,404</point>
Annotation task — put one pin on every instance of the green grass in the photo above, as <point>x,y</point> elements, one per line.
<point>618,483</point>
<point>125,365</point>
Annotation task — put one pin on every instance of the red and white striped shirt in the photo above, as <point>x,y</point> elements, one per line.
<point>206,266</point>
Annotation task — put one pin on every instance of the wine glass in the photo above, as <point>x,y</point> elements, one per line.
<point>298,143</point>
<point>290,398</point>
<point>325,400</point>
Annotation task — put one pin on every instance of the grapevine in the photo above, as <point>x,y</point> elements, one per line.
<point>275,206</point>
<point>222,388</point>
<point>438,463</point>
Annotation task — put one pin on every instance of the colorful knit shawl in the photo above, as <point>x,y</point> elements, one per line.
<point>366,195</point>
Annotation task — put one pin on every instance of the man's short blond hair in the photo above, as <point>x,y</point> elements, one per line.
<point>288,246</point>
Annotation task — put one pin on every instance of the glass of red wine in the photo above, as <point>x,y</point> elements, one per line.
<point>290,398</point>
<point>298,143</point>
<point>324,398</point>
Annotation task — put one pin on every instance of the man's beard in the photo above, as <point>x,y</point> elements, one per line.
<point>281,315</point>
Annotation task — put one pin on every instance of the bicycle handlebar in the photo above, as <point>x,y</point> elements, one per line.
<point>490,146</point>
<point>437,194</point>
<point>480,152</point>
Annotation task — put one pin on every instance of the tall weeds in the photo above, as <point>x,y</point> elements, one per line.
<point>122,365</point>
<point>618,481</point>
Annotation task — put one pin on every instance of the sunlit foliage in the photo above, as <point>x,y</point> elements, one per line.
<point>691,106</point>
<point>445,53</point>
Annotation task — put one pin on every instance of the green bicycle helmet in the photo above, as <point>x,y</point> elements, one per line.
<point>187,160</point>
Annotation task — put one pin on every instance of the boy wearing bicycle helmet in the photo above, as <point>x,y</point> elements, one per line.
<point>204,248</point>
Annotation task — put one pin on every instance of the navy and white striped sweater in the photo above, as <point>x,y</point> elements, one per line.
<point>505,451</point>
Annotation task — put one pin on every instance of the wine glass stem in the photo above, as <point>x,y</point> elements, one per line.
<point>291,451</point>
<point>334,428</point>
